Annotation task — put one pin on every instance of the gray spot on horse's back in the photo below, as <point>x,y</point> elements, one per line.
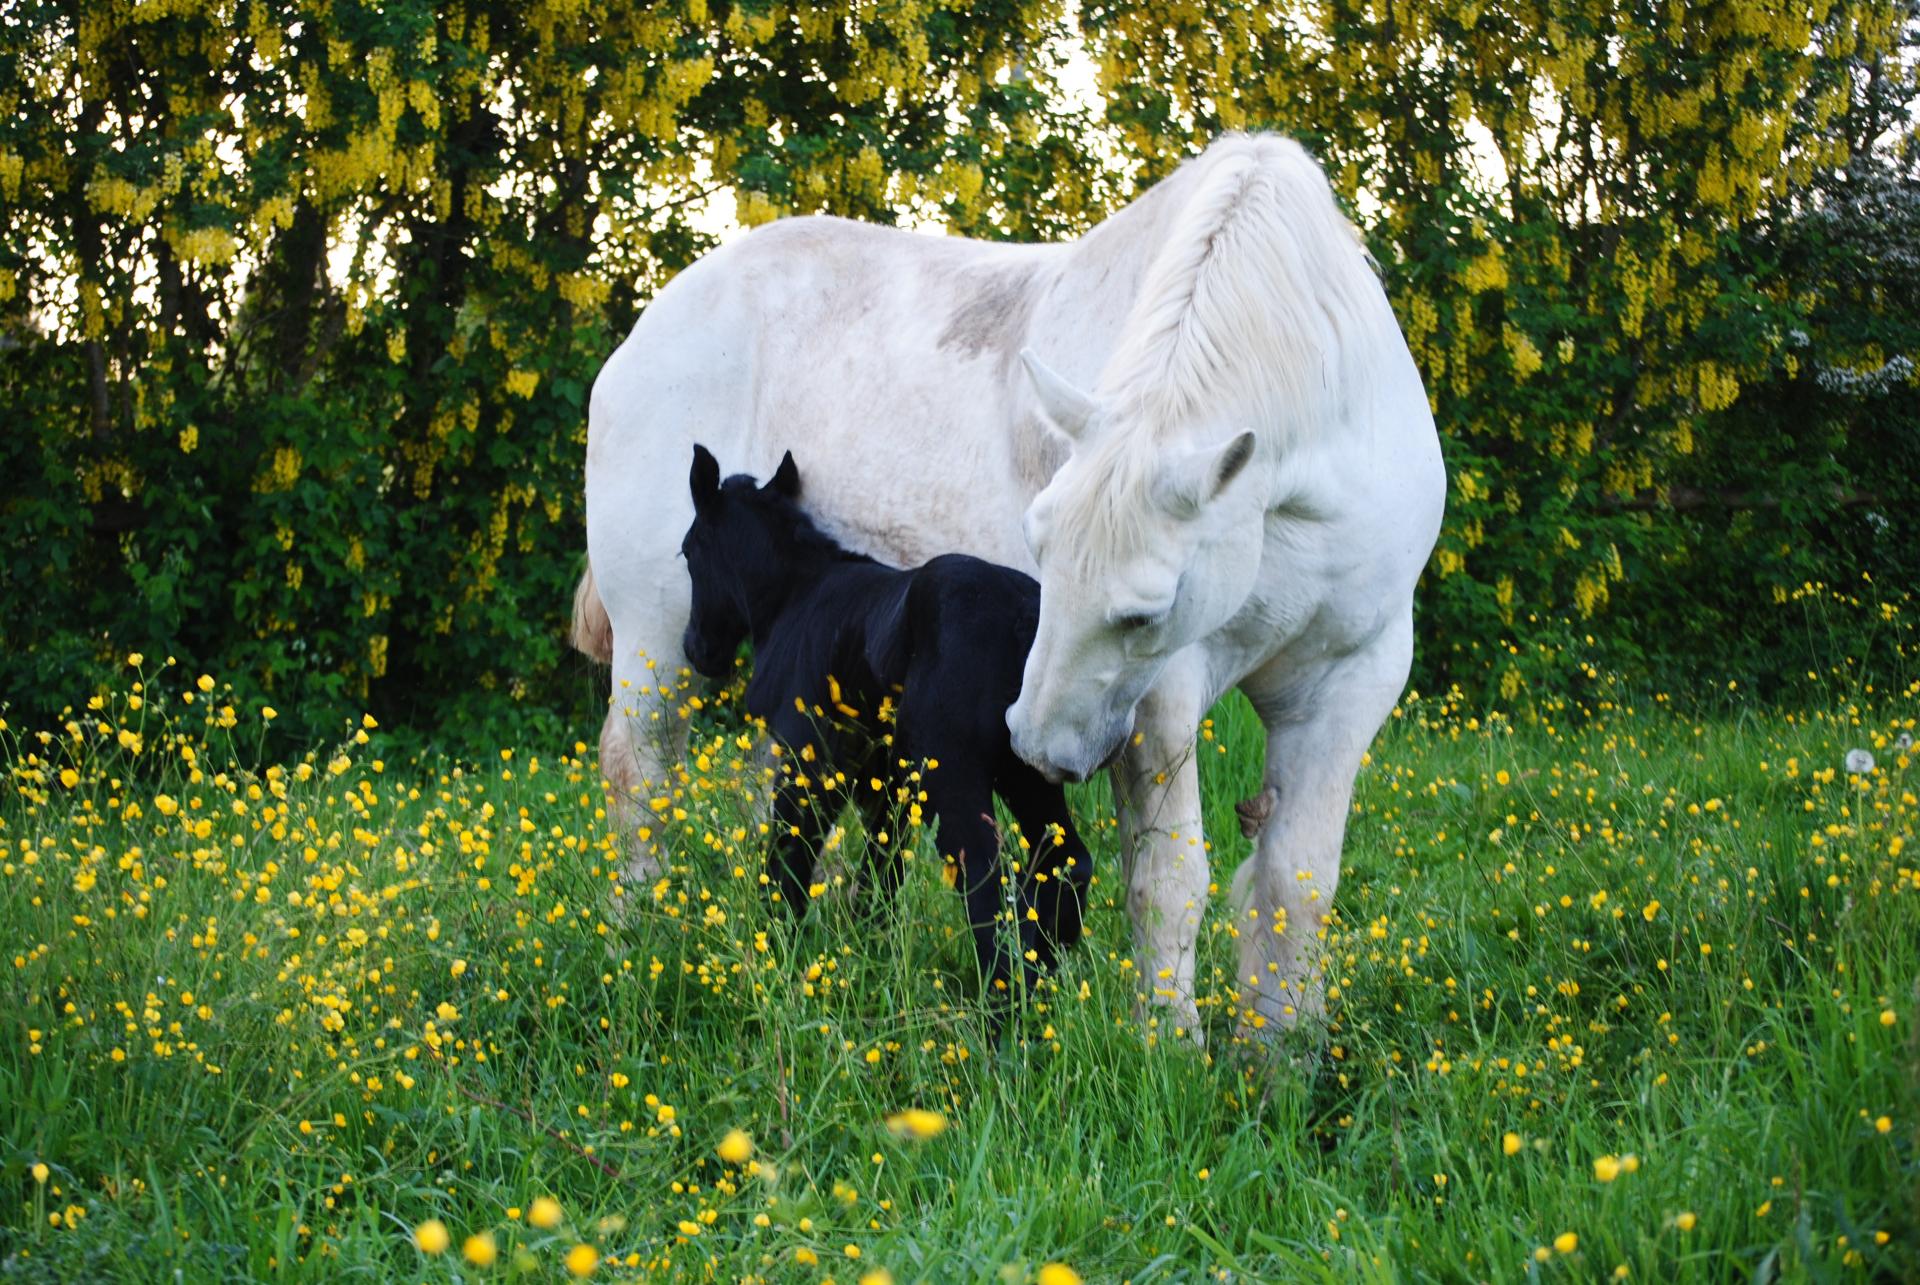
<point>1038,451</point>
<point>990,311</point>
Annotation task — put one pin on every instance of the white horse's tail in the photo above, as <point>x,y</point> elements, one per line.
<point>592,628</point>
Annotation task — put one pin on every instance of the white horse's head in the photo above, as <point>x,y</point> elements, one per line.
<point>1145,542</point>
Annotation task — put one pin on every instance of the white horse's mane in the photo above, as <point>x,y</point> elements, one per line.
<point>1249,316</point>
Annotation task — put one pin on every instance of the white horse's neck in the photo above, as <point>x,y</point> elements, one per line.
<point>1251,306</point>
<point>1234,296</point>
<point>1094,283</point>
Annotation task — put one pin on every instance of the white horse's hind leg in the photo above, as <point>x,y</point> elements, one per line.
<point>1319,724</point>
<point>644,737</point>
<point>1156,783</point>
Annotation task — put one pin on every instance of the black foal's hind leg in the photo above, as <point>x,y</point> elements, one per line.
<point>886,862</point>
<point>1056,868</point>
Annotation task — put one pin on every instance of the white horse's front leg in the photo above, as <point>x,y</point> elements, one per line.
<point>1156,784</point>
<point>1319,724</point>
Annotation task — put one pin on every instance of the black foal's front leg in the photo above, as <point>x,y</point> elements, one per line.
<point>801,813</point>
<point>968,838</point>
<point>1056,869</point>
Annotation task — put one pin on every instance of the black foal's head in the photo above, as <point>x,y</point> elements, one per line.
<point>739,554</point>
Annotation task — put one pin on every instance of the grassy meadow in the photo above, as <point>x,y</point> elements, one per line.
<point>1619,993</point>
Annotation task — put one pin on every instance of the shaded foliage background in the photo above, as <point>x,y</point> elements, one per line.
<point>301,301</point>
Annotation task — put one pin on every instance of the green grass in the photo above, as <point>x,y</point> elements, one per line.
<point>311,1103</point>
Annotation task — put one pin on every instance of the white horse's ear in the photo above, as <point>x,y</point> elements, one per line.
<point>1193,478</point>
<point>1065,406</point>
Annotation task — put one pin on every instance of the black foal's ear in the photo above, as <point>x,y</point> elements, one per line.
<point>705,477</point>
<point>786,478</point>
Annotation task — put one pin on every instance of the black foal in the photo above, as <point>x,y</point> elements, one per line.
<point>887,689</point>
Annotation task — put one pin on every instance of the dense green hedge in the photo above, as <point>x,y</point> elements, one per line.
<point>299,303</point>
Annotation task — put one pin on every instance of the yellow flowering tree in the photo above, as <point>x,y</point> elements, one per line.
<point>303,298</point>
<point>300,300</point>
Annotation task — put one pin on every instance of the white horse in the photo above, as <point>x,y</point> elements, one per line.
<point>1245,496</point>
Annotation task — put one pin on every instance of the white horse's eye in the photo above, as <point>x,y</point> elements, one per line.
<point>1135,621</point>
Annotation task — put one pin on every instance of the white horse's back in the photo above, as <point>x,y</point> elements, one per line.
<point>879,357</point>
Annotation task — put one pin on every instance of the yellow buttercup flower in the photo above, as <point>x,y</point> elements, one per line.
<point>736,1148</point>
<point>431,1236</point>
<point>582,1259</point>
<point>1058,1274</point>
<point>916,1123</point>
<point>544,1213</point>
<point>480,1249</point>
